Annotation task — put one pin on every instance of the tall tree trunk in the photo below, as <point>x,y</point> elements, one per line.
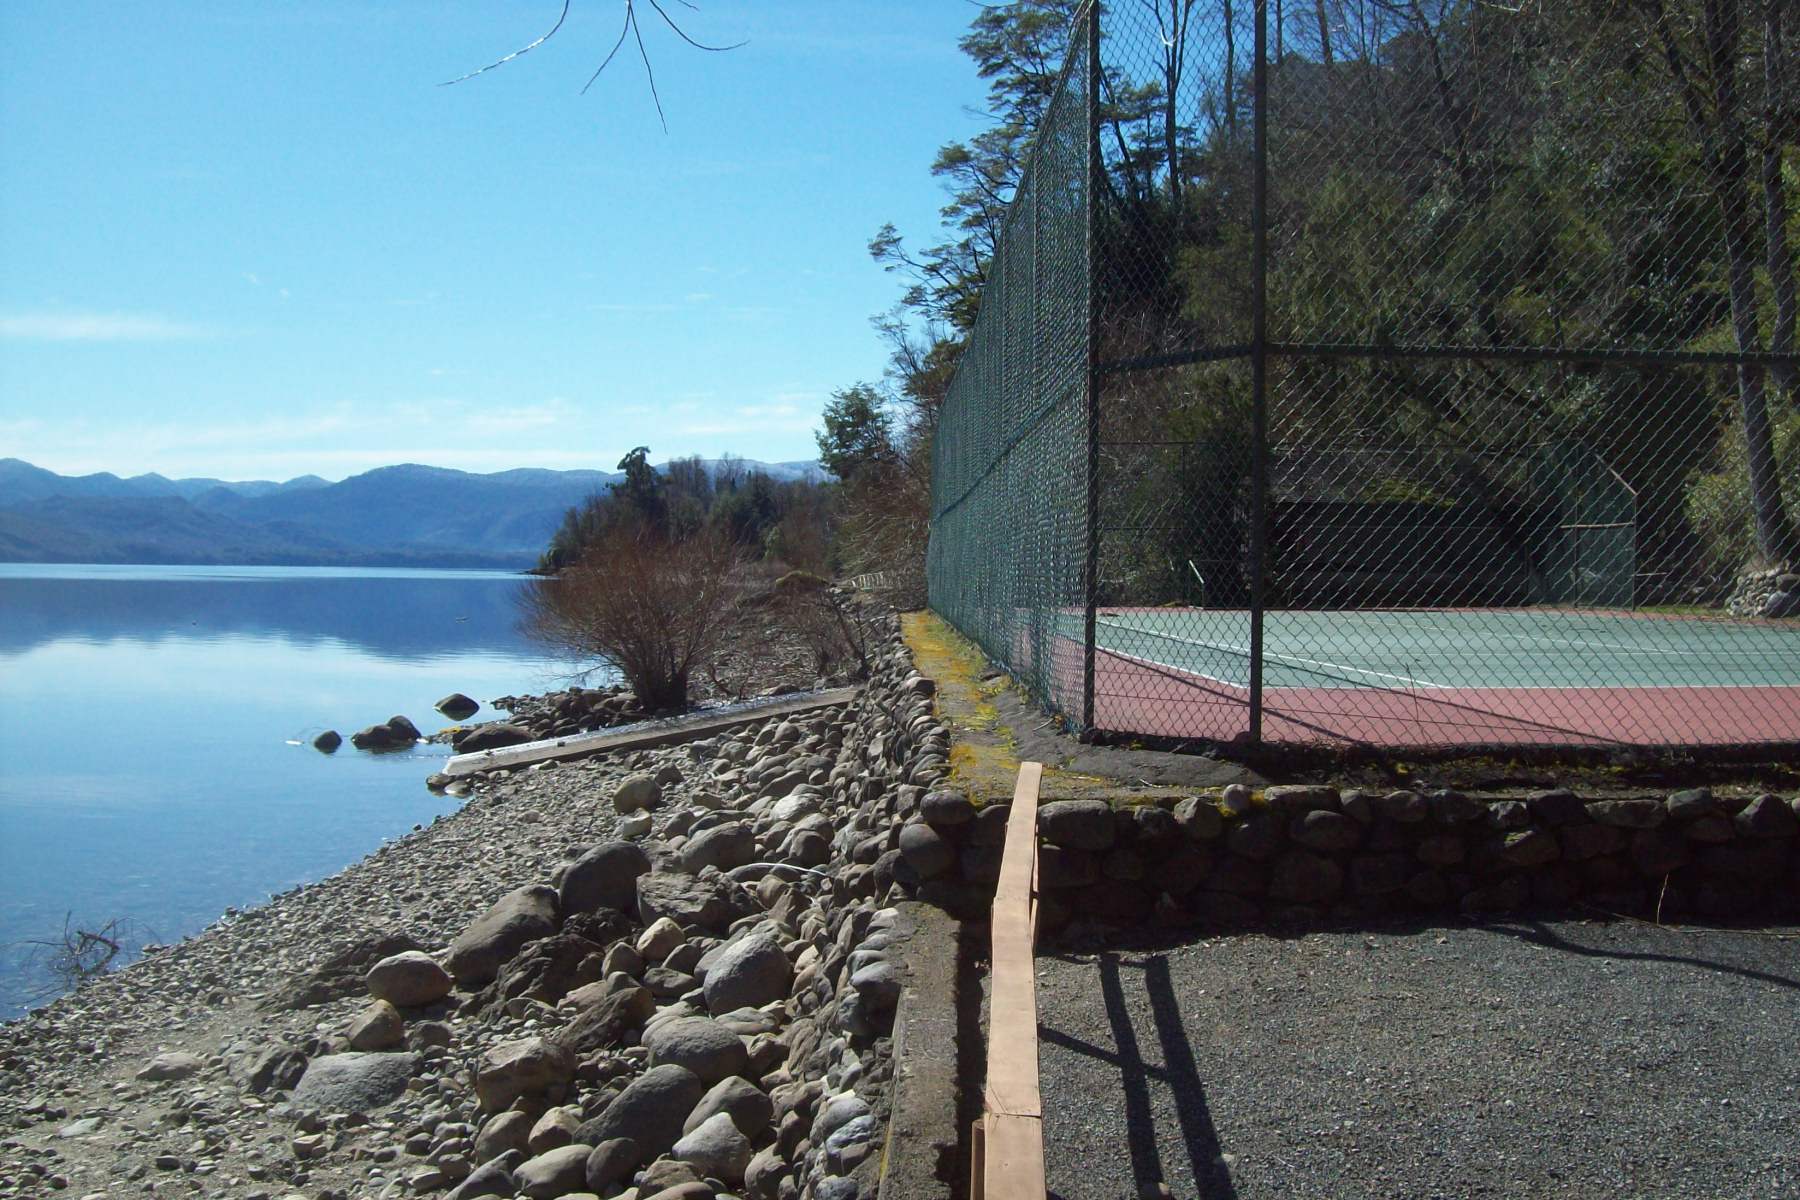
<point>1230,71</point>
<point>1775,206</point>
<point>1174,59</point>
<point>1324,33</point>
<point>1731,178</point>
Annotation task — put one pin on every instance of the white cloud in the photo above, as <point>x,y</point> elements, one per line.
<point>99,327</point>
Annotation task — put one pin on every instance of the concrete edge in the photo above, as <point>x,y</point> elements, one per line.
<point>926,1155</point>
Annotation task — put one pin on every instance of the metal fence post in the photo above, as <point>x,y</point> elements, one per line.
<point>1259,367</point>
<point>1091,573</point>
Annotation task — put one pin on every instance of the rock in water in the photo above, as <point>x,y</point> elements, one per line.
<point>354,1083</point>
<point>328,741</point>
<point>457,706</point>
<point>520,916</point>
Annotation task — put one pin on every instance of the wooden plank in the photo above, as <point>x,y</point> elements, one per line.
<point>1013,1158</point>
<point>647,735</point>
<point>1012,1132</point>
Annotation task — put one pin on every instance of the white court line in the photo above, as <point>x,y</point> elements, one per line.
<point>1526,637</point>
<point>1163,666</point>
<point>1267,653</point>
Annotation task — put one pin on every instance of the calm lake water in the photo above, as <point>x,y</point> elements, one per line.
<point>156,725</point>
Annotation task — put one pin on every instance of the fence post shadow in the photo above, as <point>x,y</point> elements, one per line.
<point>1179,1073</point>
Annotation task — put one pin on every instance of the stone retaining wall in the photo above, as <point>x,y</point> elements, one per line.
<point>1309,854</point>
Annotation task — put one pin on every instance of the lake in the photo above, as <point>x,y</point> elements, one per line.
<point>156,723</point>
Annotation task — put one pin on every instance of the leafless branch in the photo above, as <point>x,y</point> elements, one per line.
<point>561,17</point>
<point>630,28</point>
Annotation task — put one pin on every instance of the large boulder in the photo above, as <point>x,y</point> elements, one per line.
<point>636,792</point>
<point>525,1067</point>
<point>723,846</point>
<point>549,968</point>
<point>710,903</point>
<point>700,1045</point>
<point>612,1161</point>
<point>491,1178</point>
<point>716,1149</point>
<point>410,979</point>
<point>176,1064</point>
<point>495,735</point>
<point>604,877</point>
<point>554,1173</point>
<point>749,1108</point>
<point>602,1026</point>
<point>650,1111</point>
<point>355,1082</point>
<point>749,973</point>
<point>377,1027</point>
<point>341,975</point>
<point>520,916</point>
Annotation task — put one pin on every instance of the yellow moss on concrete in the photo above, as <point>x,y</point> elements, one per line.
<point>983,758</point>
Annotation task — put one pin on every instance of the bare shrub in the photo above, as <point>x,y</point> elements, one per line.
<point>838,643</point>
<point>72,957</point>
<point>653,606</point>
<point>885,524</point>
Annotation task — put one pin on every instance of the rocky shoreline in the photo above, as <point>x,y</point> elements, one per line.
<point>720,1030</point>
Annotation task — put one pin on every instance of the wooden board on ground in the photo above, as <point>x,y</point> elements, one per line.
<point>1010,1158</point>
<point>646,736</point>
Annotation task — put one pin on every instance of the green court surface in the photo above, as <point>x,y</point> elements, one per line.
<point>1423,649</point>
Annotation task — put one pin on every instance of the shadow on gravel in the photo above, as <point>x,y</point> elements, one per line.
<point>1541,935</point>
<point>1179,1074</point>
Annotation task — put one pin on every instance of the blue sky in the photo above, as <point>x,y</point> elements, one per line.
<point>257,240</point>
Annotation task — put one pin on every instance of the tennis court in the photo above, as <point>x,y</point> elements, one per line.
<point>1447,677</point>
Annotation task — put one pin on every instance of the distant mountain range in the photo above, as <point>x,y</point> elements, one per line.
<point>405,515</point>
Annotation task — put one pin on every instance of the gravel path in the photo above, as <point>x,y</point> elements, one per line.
<point>1519,1059</point>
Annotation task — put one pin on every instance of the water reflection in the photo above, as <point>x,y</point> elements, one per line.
<point>392,614</point>
<point>154,723</point>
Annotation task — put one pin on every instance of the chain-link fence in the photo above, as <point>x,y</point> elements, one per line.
<point>1391,371</point>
